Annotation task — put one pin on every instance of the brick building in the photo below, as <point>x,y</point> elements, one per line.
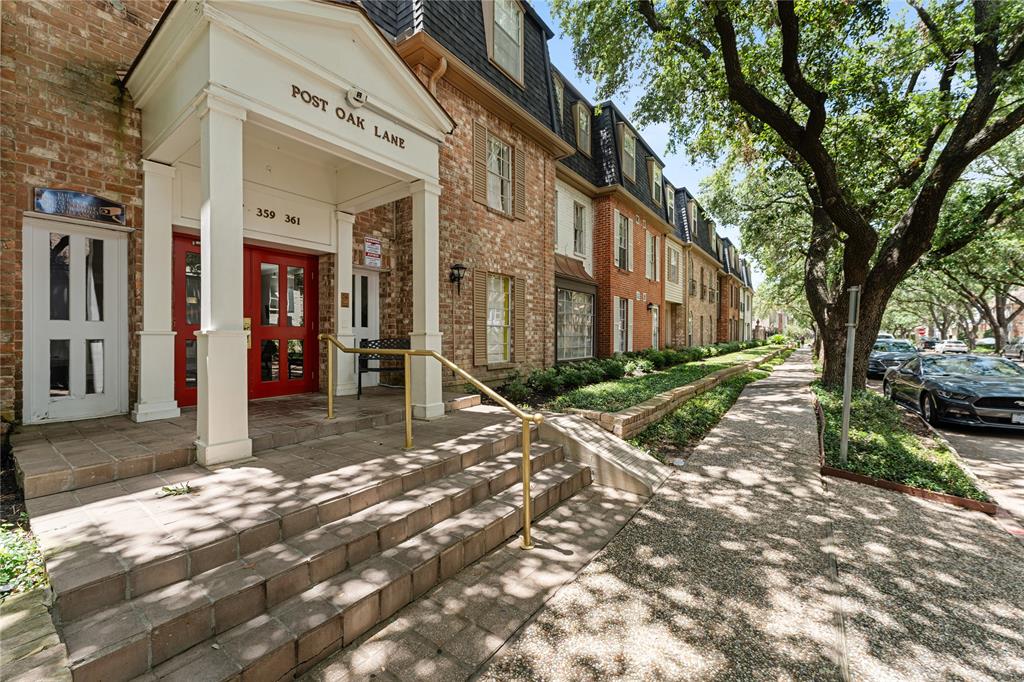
<point>571,241</point>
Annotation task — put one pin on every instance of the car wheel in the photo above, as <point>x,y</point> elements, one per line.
<point>928,410</point>
<point>887,390</point>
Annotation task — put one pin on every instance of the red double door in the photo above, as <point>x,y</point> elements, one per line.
<point>280,307</point>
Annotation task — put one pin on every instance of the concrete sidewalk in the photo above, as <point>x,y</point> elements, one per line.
<point>746,565</point>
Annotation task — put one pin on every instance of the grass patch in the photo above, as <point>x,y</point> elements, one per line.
<point>612,396</point>
<point>888,443</point>
<point>21,562</point>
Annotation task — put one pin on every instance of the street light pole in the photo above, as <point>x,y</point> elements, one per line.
<point>851,337</point>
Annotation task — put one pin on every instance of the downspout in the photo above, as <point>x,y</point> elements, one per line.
<point>442,67</point>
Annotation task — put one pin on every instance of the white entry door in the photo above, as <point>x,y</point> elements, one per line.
<point>366,312</point>
<point>75,321</point>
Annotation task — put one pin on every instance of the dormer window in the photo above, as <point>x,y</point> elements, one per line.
<point>657,185</point>
<point>559,98</point>
<point>670,199</point>
<point>628,153</point>
<point>505,36</point>
<point>582,116</point>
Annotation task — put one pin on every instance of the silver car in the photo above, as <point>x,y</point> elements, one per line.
<point>1015,349</point>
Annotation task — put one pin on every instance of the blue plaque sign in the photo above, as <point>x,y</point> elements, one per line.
<point>73,204</point>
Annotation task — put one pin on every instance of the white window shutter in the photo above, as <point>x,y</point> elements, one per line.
<point>616,346</point>
<point>629,327</point>
<point>629,245</point>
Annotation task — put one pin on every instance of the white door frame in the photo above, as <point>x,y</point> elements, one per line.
<point>372,328</point>
<point>38,329</point>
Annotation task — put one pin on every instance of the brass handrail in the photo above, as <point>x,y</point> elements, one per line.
<point>527,419</point>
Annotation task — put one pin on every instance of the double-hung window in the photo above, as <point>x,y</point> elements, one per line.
<point>559,98</point>
<point>672,265</point>
<point>623,236</point>
<point>499,175</point>
<point>575,325</point>
<point>657,185</point>
<point>622,324</point>
<point>579,229</point>
<point>652,256</point>
<point>670,200</point>
<point>629,155</point>
<point>499,318</point>
<point>507,50</point>
<point>655,327</point>
<point>582,127</point>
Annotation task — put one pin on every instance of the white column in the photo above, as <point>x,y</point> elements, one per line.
<point>156,340</point>
<point>427,402</point>
<point>344,363</point>
<point>222,421</point>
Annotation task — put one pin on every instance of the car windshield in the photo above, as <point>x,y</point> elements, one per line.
<point>893,347</point>
<point>986,367</point>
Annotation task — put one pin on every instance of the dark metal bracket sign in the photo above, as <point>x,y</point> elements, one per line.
<point>66,202</point>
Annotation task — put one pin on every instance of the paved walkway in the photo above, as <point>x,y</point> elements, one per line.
<point>745,565</point>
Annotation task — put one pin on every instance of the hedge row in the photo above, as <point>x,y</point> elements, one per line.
<point>545,383</point>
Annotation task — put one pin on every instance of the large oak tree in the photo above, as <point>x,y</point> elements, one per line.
<point>877,111</point>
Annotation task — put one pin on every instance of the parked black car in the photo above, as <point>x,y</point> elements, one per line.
<point>888,353</point>
<point>929,344</point>
<point>1014,349</point>
<point>967,389</point>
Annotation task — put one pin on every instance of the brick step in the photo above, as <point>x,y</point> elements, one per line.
<point>171,619</point>
<point>226,527</point>
<point>296,634</point>
<point>47,466</point>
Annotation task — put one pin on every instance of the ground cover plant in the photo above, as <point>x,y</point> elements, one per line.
<point>612,396</point>
<point>890,443</point>
<point>685,426</point>
<point>21,563</point>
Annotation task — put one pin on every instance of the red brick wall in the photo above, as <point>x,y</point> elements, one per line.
<point>728,309</point>
<point>614,281</point>
<point>66,123</point>
<point>477,237</point>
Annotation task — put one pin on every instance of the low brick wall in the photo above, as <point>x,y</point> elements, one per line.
<point>630,421</point>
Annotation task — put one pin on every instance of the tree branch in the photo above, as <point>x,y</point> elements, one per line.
<point>650,15</point>
<point>811,97</point>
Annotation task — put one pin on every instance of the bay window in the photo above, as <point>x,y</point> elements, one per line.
<point>574,325</point>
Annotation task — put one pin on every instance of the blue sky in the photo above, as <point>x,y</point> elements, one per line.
<point>678,168</point>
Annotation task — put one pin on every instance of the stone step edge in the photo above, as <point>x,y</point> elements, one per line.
<point>300,632</point>
<point>192,561</point>
<point>268,591</point>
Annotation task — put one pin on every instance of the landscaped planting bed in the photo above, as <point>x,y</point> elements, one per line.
<point>891,444</point>
<point>679,431</point>
<point>612,396</point>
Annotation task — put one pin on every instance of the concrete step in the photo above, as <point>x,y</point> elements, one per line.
<point>91,573</point>
<point>294,635</point>
<point>162,623</point>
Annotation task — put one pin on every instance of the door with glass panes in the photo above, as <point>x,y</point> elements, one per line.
<point>75,321</point>
<point>366,312</point>
<point>279,310</point>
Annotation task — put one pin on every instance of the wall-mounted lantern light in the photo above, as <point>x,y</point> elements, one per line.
<point>650,307</point>
<point>456,274</point>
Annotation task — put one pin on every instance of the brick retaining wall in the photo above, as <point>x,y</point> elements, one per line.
<point>630,421</point>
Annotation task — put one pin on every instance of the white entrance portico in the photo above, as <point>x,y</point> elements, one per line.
<point>272,124</point>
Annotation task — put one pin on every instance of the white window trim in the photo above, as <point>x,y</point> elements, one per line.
<point>584,231</point>
<point>559,97</point>
<point>655,327</point>
<point>510,320</point>
<point>629,240</point>
<point>631,174</point>
<point>580,113</point>
<point>510,179</point>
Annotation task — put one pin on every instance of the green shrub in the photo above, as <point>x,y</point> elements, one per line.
<point>637,366</point>
<point>592,372</point>
<point>571,377</point>
<point>545,381</point>
<point>613,368</point>
<point>777,339</point>
<point>516,390</point>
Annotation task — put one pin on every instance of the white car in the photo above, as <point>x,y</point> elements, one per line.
<point>883,336</point>
<point>951,346</point>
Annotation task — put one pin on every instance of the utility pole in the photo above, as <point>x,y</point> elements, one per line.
<point>851,337</point>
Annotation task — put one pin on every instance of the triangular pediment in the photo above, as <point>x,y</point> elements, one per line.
<point>339,40</point>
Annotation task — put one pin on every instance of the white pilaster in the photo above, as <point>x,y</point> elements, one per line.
<point>344,363</point>
<point>427,402</point>
<point>156,340</point>
<point>222,408</point>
